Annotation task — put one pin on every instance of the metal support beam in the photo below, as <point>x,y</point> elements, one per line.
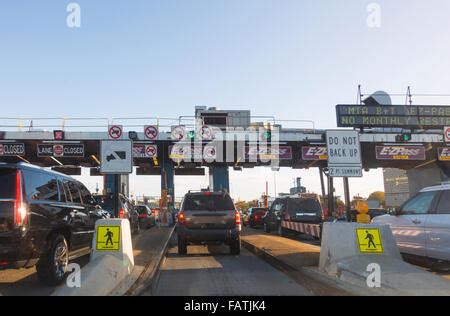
<point>347,199</point>
<point>112,188</point>
<point>322,182</point>
<point>167,179</point>
<point>330,196</point>
<point>220,178</point>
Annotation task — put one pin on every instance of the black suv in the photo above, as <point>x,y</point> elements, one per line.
<point>46,219</point>
<point>208,217</point>
<point>305,208</point>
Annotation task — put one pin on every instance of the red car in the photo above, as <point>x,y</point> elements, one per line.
<point>255,216</point>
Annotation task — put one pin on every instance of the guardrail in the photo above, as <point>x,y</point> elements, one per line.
<point>102,123</point>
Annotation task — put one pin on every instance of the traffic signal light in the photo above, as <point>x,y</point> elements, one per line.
<point>267,135</point>
<point>404,137</point>
<point>191,135</point>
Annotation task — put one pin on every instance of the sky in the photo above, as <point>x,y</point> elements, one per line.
<point>288,58</point>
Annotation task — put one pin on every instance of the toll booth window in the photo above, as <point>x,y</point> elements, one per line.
<point>444,203</point>
<point>75,192</point>
<point>208,203</point>
<point>420,204</point>
<point>40,186</point>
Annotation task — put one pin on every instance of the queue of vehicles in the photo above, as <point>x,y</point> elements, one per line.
<point>421,226</point>
<point>48,219</point>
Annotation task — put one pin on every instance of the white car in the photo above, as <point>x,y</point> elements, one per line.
<point>422,225</point>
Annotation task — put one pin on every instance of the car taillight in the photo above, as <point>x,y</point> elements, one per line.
<point>181,218</point>
<point>121,213</point>
<point>237,217</point>
<point>19,207</point>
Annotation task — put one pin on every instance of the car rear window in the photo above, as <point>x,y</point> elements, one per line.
<point>304,205</point>
<point>142,209</point>
<point>204,202</point>
<point>8,183</point>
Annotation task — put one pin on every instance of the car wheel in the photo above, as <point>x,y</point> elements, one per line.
<point>235,247</point>
<point>51,269</point>
<point>266,228</point>
<point>182,247</point>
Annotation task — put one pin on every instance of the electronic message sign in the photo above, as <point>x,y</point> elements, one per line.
<point>421,116</point>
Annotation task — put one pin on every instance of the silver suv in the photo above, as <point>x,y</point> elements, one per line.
<point>208,217</point>
<point>422,225</point>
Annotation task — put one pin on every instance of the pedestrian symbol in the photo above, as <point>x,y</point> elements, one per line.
<point>369,240</point>
<point>108,238</point>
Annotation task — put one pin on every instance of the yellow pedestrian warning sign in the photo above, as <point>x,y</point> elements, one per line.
<point>108,238</point>
<point>369,240</point>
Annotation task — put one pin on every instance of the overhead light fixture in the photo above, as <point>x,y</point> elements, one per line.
<point>95,159</point>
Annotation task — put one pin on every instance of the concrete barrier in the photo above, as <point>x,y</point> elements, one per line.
<point>340,242</point>
<point>111,260</point>
<point>350,251</point>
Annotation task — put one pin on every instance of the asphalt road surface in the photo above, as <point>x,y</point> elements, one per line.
<point>25,282</point>
<point>211,271</point>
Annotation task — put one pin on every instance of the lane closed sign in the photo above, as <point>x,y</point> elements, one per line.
<point>344,153</point>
